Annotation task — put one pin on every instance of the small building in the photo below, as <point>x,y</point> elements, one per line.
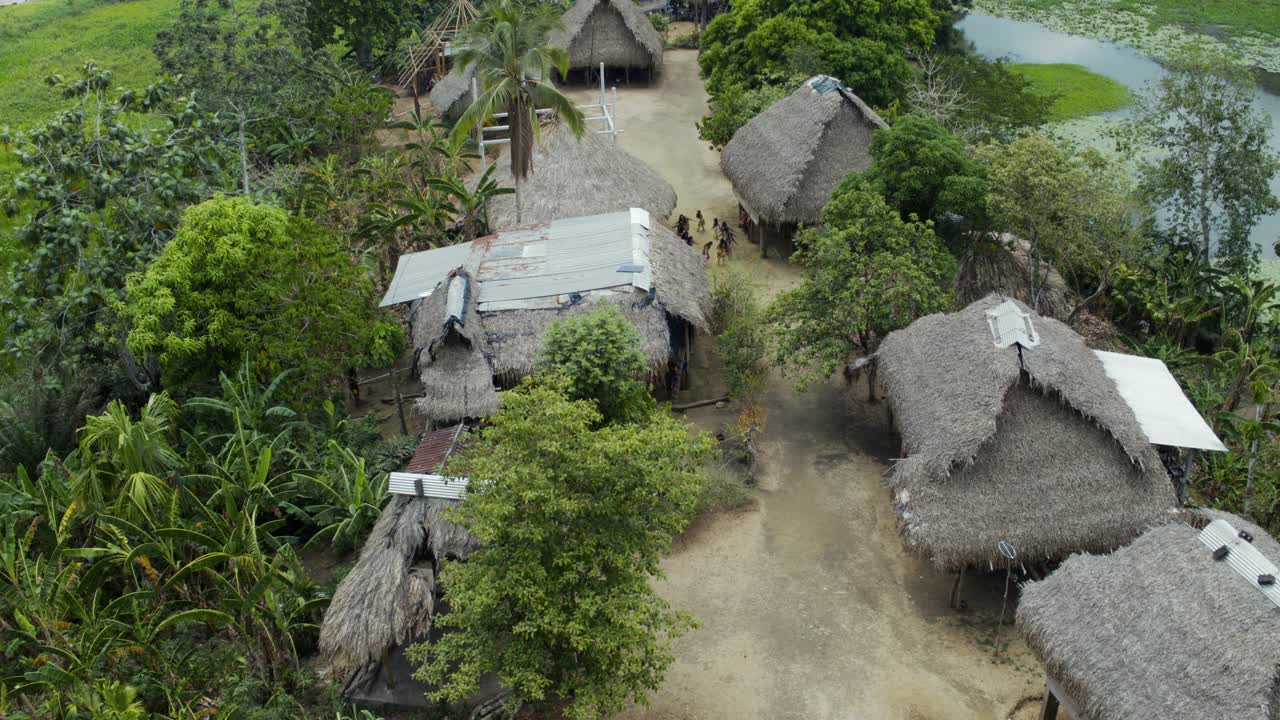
<point>1014,431</point>
<point>480,309</point>
<point>1175,626</point>
<point>576,176</point>
<point>786,162</point>
<point>389,599</point>
<point>452,94</point>
<point>614,32</point>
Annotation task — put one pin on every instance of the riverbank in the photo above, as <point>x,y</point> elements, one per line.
<point>1247,29</point>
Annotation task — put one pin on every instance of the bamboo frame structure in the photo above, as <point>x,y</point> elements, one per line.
<point>436,41</point>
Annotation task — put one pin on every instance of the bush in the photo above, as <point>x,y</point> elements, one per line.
<point>722,490</point>
<point>737,320</point>
<point>684,42</point>
<point>599,354</point>
<point>732,109</point>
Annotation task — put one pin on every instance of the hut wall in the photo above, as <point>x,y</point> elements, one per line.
<point>1050,482</point>
<point>845,147</point>
<point>606,39</point>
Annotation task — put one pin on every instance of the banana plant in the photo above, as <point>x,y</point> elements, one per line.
<point>350,500</point>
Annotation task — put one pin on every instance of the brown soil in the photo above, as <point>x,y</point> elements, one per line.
<point>809,605</point>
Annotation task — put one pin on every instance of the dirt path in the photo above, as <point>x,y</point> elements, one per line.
<point>809,606</point>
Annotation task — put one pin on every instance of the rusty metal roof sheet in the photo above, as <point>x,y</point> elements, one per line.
<point>434,449</point>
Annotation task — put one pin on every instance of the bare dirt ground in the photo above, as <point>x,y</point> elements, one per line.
<point>809,605</point>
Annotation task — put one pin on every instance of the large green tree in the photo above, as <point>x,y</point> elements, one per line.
<point>243,278</point>
<point>861,42</point>
<point>100,187</point>
<point>866,272</point>
<point>599,355</point>
<point>912,163</point>
<point>1213,165</point>
<point>508,46</point>
<point>572,519</point>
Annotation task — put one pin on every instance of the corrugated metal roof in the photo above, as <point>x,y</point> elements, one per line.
<point>1248,562</point>
<point>418,273</point>
<point>540,265</point>
<point>434,448</point>
<point>1163,411</point>
<point>433,486</point>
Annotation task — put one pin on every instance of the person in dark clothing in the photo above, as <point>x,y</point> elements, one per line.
<point>702,222</point>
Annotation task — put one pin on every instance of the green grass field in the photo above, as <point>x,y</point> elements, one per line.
<point>58,36</point>
<point>1212,17</point>
<point>1079,92</point>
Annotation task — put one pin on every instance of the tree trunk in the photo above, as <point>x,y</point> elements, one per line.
<point>519,219</point>
<point>244,155</point>
<point>871,383</point>
<point>1102,287</point>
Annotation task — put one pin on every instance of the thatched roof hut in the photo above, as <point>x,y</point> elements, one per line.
<point>1047,456</point>
<point>614,32</point>
<point>450,343</point>
<point>787,161</point>
<point>573,177</point>
<point>388,599</point>
<point>452,95</point>
<point>521,280</point>
<point>1158,629</point>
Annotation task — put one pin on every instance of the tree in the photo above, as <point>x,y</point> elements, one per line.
<point>252,63</point>
<point>866,272</point>
<point>979,100</point>
<point>1213,166</point>
<point>366,26</point>
<point>572,519</point>
<point>599,356</point>
<point>101,188</point>
<point>1039,192</point>
<point>762,41</point>
<point>732,108</point>
<point>912,163</point>
<point>508,47</point>
<point>240,278</point>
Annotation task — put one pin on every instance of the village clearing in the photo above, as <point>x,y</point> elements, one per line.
<point>809,605</point>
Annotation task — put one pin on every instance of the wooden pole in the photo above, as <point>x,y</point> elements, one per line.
<point>1049,708</point>
<point>404,427</point>
<point>955,590</point>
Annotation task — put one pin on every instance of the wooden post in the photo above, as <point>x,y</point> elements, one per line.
<point>404,428</point>
<point>1049,707</point>
<point>955,590</point>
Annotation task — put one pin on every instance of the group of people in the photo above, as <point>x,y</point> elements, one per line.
<point>723,235</point>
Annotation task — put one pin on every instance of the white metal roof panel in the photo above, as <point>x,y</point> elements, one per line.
<point>433,486</point>
<point>1163,411</point>
<point>1248,562</point>
<point>418,273</point>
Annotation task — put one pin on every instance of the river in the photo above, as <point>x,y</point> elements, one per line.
<point>1020,41</point>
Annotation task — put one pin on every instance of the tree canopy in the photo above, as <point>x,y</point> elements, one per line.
<point>912,163</point>
<point>859,42</point>
<point>599,356</point>
<point>1213,166</point>
<point>866,272</point>
<point>243,278</point>
<point>572,518</point>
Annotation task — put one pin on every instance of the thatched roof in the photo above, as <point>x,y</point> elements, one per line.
<point>452,94</point>
<point>787,161</point>
<point>614,32</point>
<point>1052,461</point>
<point>457,381</point>
<point>579,176</point>
<point>388,597</point>
<point>1158,629</point>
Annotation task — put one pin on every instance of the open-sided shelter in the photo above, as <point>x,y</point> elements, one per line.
<point>388,600</point>
<point>1162,628</point>
<point>481,309</point>
<point>614,32</point>
<point>786,162</point>
<point>1028,442</point>
<point>576,176</point>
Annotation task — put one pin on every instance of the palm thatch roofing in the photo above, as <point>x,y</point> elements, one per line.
<point>1158,629</point>
<point>1050,459</point>
<point>457,382</point>
<point>388,598</point>
<point>787,161</point>
<point>573,177</point>
<point>521,280</point>
<point>452,95</point>
<point>614,32</point>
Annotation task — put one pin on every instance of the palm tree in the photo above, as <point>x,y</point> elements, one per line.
<point>508,46</point>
